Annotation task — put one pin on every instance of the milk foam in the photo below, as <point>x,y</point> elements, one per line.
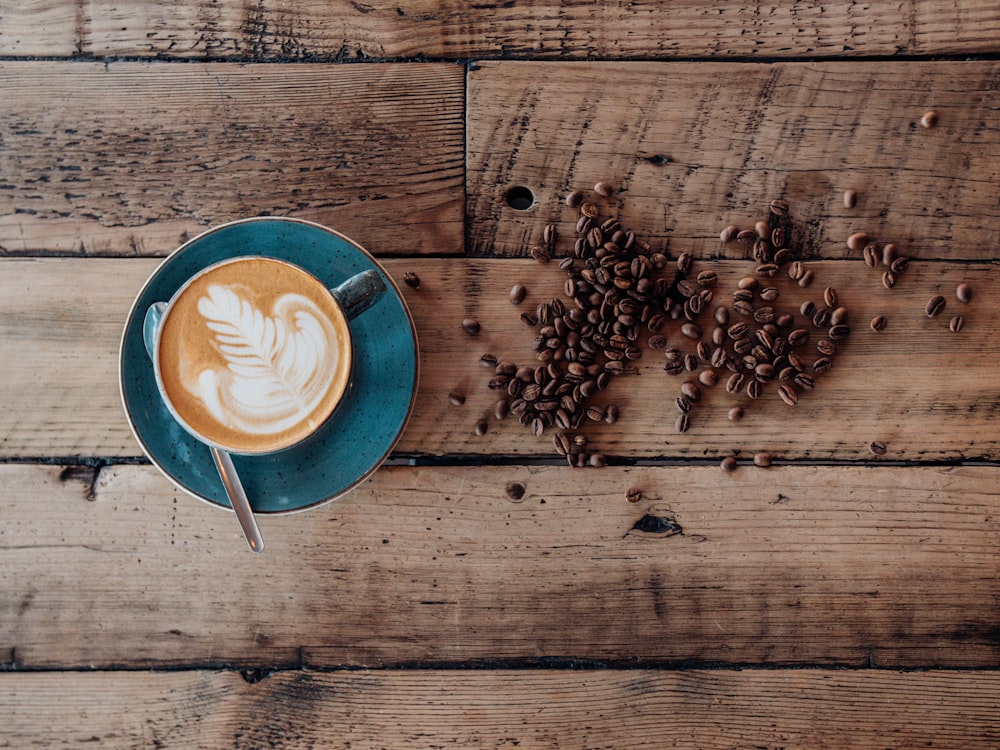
<point>279,364</point>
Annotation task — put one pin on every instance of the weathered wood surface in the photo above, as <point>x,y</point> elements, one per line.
<point>887,567</point>
<point>695,709</point>
<point>693,147</point>
<point>927,393</point>
<point>357,31</point>
<point>133,158</point>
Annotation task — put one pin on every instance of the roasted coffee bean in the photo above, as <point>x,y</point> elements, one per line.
<point>583,224</point>
<point>963,292</point>
<point>796,361</point>
<point>498,382</point>
<point>729,464</point>
<point>682,423</point>
<point>708,377</point>
<point>784,320</point>
<point>590,210</point>
<point>595,237</point>
<point>683,404</point>
<point>956,324</point>
<point>779,237</point>
<point>655,322</point>
<point>807,278</point>
<point>857,241</point>
<point>684,263</point>
<point>690,390</point>
<point>633,495</point>
<point>742,295</point>
<point>850,198</point>
<point>674,367</point>
<point>761,251</point>
<point>821,365</point>
<point>798,337</point>
<point>796,270</point>
<point>540,253</point>
<point>488,360</point>
<point>743,345</point>
<point>721,315</point>
<point>735,414</point>
<point>611,414</point>
<point>657,342</point>
<point>411,279</point>
<point>748,283</point>
<point>871,255</point>
<point>456,398</point>
<point>786,374</point>
<point>803,380</point>
<point>929,119</point>
<point>779,207</point>
<point>879,323</point>
<point>827,347</point>
<point>782,256</point>
<point>691,331</point>
<point>830,296</point>
<point>762,228</point>
<point>708,278</point>
<point>744,308</point>
<point>899,265</point>
<point>767,270</point>
<point>763,460</point>
<point>888,254</point>
<point>549,234</point>
<point>482,426</point>
<point>537,426</point>
<point>769,294</point>
<point>704,351</point>
<point>687,288</point>
<point>561,442</point>
<point>518,291</point>
<point>888,279</point>
<point>604,189</point>
<point>808,308</point>
<point>737,331</point>
<point>839,316</point>
<point>935,306</point>
<point>788,395</point>
<point>574,199</point>
<point>764,315</point>
<point>877,448</point>
<point>501,409</point>
<point>821,318</point>
<point>595,413</point>
<point>755,389</point>
<point>764,372</point>
<point>746,236</point>
<point>728,234</point>
<point>529,320</point>
<point>718,336</point>
<point>471,326</point>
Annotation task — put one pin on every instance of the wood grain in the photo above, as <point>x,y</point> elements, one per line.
<point>138,157</point>
<point>357,31</point>
<point>887,567</point>
<point>696,709</point>
<point>929,394</point>
<point>693,147</point>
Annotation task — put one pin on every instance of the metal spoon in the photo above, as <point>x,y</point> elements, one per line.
<point>223,461</point>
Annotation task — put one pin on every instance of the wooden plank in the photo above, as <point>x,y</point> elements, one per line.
<point>927,393</point>
<point>889,567</point>
<point>137,157</point>
<point>695,709</point>
<point>693,147</point>
<point>356,31</point>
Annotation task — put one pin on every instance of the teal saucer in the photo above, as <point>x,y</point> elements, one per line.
<point>355,440</point>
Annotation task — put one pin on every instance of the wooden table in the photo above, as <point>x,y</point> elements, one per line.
<point>833,600</point>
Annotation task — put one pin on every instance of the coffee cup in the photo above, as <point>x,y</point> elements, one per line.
<point>252,355</point>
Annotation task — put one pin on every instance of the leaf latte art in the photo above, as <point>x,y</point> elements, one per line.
<point>278,365</point>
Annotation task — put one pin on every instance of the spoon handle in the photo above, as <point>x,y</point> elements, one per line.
<point>238,498</point>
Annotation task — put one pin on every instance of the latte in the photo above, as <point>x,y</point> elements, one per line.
<point>253,355</point>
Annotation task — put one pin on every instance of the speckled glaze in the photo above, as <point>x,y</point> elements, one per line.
<point>353,442</point>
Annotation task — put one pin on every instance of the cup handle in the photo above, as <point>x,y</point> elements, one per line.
<point>359,292</point>
<point>150,325</point>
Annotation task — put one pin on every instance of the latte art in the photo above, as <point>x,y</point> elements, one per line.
<point>253,355</point>
<point>277,366</point>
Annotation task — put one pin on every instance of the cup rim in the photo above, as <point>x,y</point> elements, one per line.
<point>344,384</point>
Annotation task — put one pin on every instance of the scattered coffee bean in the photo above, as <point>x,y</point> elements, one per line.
<point>963,292</point>
<point>763,460</point>
<point>589,210</point>
<point>779,207</point>
<point>877,448</point>
<point>788,395</point>
<point>517,294</point>
<point>708,377</point>
<point>482,426</point>
<point>899,265</point>
<point>515,490</point>
<point>690,390</point>
<point>488,360</point>
<point>735,414</point>
<point>691,331</point>
<point>729,463</point>
<point>729,233</point>
<point>598,460</point>
<point>633,495</point>
<point>830,296</point>
<point>763,229</point>
<point>540,253</point>
<point>682,423</point>
<point>456,398</point>
<point>807,278</point>
<point>684,263</point>
<point>871,255</point>
<point>857,241</point>
<point>411,279</point>
<point>501,409</point>
<point>888,279</point>
<point>929,119</point>
<point>574,199</point>
<point>604,189</point>
<point>935,306</point>
<point>471,326</point>
<point>850,198</point>
<point>956,324</point>
<point>879,323</point>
